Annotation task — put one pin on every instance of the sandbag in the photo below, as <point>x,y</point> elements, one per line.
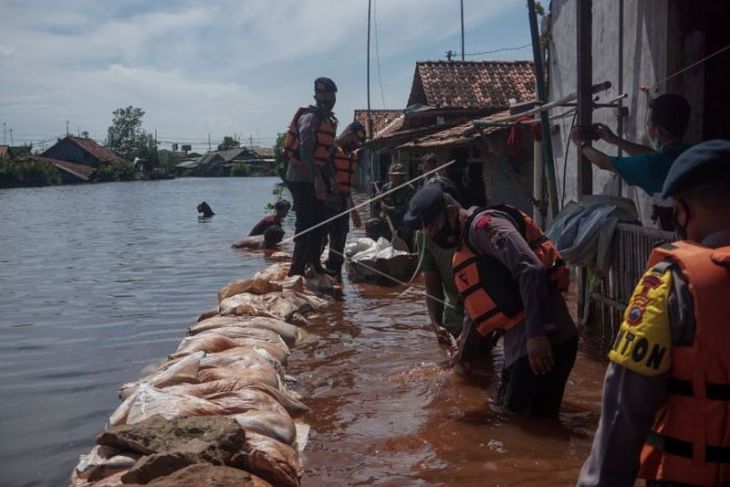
<point>252,286</point>
<point>228,326</point>
<point>272,460</point>
<point>212,343</point>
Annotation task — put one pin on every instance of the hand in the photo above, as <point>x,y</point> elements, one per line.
<point>320,189</point>
<point>356,220</point>
<point>606,134</point>
<point>540,354</point>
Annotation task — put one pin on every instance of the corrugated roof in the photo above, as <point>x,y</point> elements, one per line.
<point>381,119</point>
<point>483,85</point>
<point>461,134</point>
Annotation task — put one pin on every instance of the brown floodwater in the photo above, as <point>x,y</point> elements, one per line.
<point>384,413</point>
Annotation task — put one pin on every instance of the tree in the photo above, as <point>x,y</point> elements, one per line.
<point>128,139</point>
<point>281,161</point>
<point>229,143</point>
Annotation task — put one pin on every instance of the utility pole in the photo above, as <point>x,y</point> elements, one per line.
<point>584,30</point>
<point>66,128</point>
<point>4,141</point>
<point>547,146</point>
<point>250,140</point>
<point>462,30</point>
<point>209,148</point>
<point>11,138</point>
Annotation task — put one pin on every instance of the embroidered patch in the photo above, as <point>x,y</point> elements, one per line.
<point>643,342</point>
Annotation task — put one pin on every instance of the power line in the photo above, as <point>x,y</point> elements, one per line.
<point>516,48</point>
<point>377,52</point>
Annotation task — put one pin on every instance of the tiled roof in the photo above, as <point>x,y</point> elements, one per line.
<point>81,171</point>
<point>381,118</point>
<point>96,150</point>
<point>460,134</point>
<point>483,85</point>
<point>4,151</point>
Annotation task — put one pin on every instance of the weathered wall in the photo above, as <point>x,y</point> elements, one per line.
<point>645,62</point>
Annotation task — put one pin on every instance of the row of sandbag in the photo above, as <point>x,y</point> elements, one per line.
<point>218,410</point>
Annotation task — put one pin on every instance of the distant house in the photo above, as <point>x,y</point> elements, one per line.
<point>445,98</point>
<point>219,163</point>
<point>69,172</point>
<point>81,150</point>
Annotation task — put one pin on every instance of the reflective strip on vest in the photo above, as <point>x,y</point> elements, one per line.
<point>690,439</point>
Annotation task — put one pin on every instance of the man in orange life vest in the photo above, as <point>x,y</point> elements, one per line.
<point>345,166</point>
<point>666,396</point>
<point>309,145</point>
<point>510,278</point>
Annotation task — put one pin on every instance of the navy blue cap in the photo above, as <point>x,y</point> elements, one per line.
<point>325,85</point>
<point>697,165</point>
<point>358,129</point>
<point>425,206</point>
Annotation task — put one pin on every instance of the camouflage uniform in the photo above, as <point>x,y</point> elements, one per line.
<point>398,204</point>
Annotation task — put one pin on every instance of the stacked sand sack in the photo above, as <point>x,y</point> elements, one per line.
<point>217,411</point>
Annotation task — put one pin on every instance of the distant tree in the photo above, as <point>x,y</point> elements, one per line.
<point>229,143</point>
<point>128,139</point>
<point>281,161</point>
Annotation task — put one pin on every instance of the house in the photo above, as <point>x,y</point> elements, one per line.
<point>81,150</point>
<point>219,163</point>
<point>644,48</point>
<point>445,98</point>
<point>69,172</point>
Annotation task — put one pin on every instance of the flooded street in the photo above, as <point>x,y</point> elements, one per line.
<point>384,413</point>
<point>99,281</point>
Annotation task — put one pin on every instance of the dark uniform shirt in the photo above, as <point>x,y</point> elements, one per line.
<point>494,233</point>
<point>399,201</point>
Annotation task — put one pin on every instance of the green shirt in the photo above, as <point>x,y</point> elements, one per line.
<point>439,260</point>
<point>399,201</point>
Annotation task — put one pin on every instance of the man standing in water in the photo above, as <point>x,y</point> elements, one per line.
<point>309,146</point>
<point>395,205</point>
<point>666,415</point>
<point>510,278</point>
<point>345,166</point>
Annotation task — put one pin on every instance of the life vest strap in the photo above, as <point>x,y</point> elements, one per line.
<point>485,316</point>
<point>682,448</point>
<point>465,264</point>
<point>716,392</point>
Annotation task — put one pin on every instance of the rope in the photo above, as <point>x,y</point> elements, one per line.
<point>687,68</point>
<point>367,202</point>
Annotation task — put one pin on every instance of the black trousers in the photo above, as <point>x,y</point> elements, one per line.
<point>309,211</point>
<point>337,232</point>
<point>523,392</point>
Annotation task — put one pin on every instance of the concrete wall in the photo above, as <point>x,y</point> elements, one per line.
<point>645,62</point>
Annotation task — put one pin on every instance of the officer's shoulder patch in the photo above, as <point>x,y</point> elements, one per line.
<point>483,221</point>
<point>643,342</point>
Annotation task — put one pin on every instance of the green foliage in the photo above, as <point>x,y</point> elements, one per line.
<point>240,170</point>
<point>114,171</point>
<point>281,161</point>
<point>128,139</point>
<point>228,143</point>
<point>27,172</point>
<point>539,9</point>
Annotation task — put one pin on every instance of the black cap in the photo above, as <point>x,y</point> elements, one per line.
<point>425,206</point>
<point>324,85</point>
<point>697,165</point>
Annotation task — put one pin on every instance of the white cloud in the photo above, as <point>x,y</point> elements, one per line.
<point>221,67</point>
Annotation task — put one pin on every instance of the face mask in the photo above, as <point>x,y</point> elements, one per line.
<point>448,236</point>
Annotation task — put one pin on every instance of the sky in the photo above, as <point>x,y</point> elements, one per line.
<point>224,67</point>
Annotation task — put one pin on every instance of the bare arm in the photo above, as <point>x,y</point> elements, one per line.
<point>434,289</point>
<point>630,148</point>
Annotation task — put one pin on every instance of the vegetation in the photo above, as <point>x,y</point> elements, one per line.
<point>128,139</point>
<point>240,170</point>
<point>114,171</point>
<point>27,172</point>
<point>281,161</point>
<point>229,143</point>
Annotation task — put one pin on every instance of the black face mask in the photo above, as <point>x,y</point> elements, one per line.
<point>681,230</point>
<point>448,236</point>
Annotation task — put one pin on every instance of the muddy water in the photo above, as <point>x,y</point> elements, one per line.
<point>384,413</point>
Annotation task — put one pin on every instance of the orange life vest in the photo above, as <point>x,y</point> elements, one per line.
<point>325,134</point>
<point>345,166</point>
<point>690,440</point>
<point>491,294</point>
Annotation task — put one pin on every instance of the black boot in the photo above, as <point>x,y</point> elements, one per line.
<point>299,259</point>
